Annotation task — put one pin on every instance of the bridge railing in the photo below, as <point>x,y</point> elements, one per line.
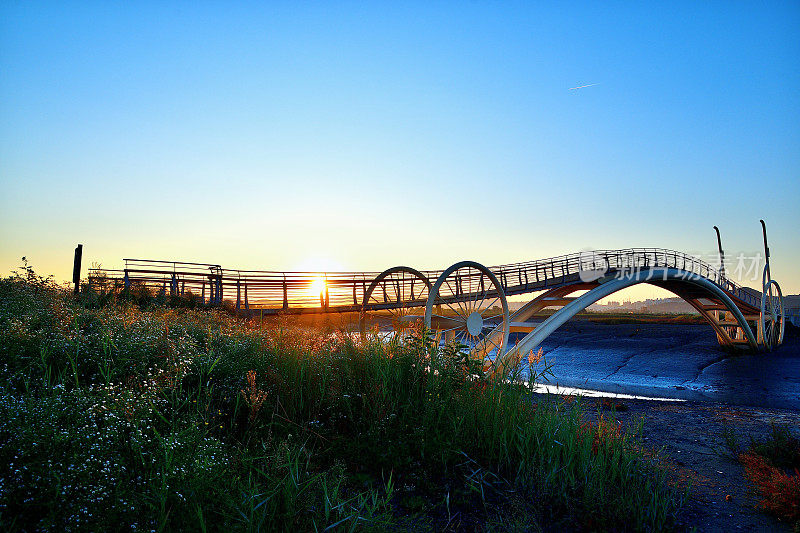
<point>345,290</point>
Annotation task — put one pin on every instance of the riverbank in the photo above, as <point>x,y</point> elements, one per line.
<point>696,439</point>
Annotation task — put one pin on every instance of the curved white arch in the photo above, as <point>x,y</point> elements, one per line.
<point>775,316</point>
<point>610,286</point>
<point>433,296</point>
<point>389,271</point>
<point>378,279</point>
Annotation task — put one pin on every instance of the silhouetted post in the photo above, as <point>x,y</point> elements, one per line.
<point>766,247</point>
<point>721,254</point>
<point>76,268</point>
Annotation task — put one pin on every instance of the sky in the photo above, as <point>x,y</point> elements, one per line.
<point>360,136</point>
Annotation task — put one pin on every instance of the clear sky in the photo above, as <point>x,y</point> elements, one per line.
<point>359,136</point>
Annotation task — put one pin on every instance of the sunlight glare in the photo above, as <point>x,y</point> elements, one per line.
<point>317,287</point>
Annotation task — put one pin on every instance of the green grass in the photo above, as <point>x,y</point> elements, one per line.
<point>116,416</point>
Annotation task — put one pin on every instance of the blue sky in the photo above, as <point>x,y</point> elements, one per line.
<point>355,136</point>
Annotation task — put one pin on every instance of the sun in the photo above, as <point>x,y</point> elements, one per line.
<point>317,286</point>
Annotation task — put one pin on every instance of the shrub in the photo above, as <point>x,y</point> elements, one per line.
<point>779,491</point>
<point>189,419</point>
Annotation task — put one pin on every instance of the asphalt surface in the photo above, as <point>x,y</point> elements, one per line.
<point>671,361</point>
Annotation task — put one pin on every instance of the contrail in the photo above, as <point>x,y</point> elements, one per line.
<point>582,86</point>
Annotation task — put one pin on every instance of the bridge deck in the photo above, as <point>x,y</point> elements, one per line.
<point>303,292</point>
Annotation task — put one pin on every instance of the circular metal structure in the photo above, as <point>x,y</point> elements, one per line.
<point>468,304</point>
<point>393,298</point>
<point>771,319</point>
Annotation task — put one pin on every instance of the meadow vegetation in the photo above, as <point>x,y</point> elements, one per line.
<point>125,413</point>
<point>772,466</point>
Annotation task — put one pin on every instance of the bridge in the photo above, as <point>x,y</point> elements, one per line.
<point>467,302</point>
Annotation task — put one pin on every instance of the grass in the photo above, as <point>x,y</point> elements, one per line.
<point>772,466</point>
<point>129,415</point>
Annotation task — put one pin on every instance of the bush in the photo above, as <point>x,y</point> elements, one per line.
<point>773,467</point>
<point>176,418</point>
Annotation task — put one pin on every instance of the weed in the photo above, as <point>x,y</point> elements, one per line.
<point>779,491</point>
<point>123,416</point>
<point>772,465</point>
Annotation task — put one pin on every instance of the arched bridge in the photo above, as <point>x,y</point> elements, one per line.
<point>468,301</point>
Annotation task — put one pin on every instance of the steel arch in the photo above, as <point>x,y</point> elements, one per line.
<point>612,285</point>
<point>365,305</point>
<point>772,313</point>
<point>433,296</point>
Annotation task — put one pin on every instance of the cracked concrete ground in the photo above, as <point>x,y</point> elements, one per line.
<point>672,361</point>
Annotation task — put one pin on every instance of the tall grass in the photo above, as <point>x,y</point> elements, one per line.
<point>165,419</point>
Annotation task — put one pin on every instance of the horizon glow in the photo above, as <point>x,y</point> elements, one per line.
<point>356,138</point>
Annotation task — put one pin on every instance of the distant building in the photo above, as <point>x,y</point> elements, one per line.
<point>791,308</point>
<point>675,306</point>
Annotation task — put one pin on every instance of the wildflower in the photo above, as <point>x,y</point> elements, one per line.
<point>254,397</point>
<point>533,359</point>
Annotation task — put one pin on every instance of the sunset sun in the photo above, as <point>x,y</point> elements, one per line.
<point>317,287</point>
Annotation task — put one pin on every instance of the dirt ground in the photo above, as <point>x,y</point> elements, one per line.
<point>692,437</point>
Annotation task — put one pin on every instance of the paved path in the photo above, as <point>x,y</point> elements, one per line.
<point>672,361</point>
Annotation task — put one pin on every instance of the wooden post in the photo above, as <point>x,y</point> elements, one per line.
<point>76,268</point>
